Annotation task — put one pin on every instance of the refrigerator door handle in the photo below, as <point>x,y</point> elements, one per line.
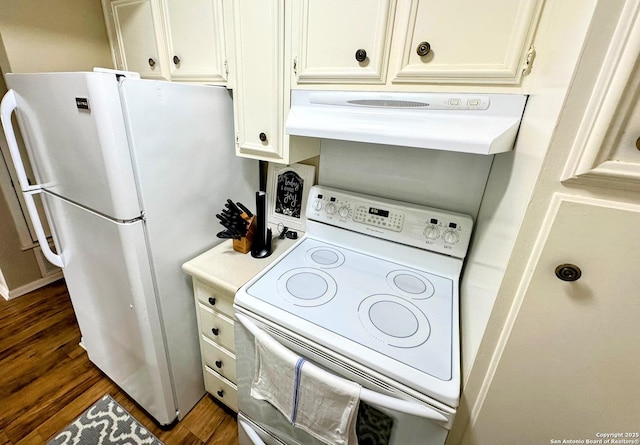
<point>7,106</point>
<point>52,257</point>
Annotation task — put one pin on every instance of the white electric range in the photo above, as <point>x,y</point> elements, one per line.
<point>371,293</point>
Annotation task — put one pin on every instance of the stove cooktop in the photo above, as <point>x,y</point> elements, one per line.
<point>391,309</point>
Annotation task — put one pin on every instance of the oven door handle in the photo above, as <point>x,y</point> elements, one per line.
<point>253,436</point>
<point>372,397</point>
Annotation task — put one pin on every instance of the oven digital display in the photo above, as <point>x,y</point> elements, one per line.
<point>378,212</point>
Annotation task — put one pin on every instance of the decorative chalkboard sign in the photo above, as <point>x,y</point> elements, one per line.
<point>287,191</point>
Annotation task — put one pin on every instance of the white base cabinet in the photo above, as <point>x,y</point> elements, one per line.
<point>217,275</point>
<point>215,323</point>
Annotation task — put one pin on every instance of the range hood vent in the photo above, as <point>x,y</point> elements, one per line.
<point>468,123</point>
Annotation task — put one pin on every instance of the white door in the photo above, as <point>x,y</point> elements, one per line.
<point>573,351</point>
<point>73,128</point>
<point>108,274</point>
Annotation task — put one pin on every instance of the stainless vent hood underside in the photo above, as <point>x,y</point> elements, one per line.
<point>468,123</point>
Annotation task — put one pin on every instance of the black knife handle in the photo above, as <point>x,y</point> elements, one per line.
<point>244,209</point>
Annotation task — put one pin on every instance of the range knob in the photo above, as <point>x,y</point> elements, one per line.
<point>317,204</point>
<point>450,237</point>
<point>431,232</point>
<point>330,209</point>
<point>343,212</point>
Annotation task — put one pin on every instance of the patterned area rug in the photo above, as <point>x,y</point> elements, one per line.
<point>105,423</point>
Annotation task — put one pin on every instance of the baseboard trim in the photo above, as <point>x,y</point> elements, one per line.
<point>30,287</point>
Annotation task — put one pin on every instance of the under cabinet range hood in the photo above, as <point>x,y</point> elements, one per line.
<point>468,123</point>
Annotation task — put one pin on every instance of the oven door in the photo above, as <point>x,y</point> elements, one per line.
<point>414,423</point>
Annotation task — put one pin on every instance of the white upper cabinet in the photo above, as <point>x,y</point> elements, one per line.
<point>341,42</point>
<point>196,40</point>
<point>389,43</point>
<point>261,84</point>
<point>463,41</point>
<point>169,39</point>
<point>136,24</point>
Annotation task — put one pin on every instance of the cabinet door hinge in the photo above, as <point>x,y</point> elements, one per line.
<point>237,140</point>
<point>226,67</point>
<point>528,61</point>
<point>295,65</point>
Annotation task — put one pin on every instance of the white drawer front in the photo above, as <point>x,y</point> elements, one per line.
<point>216,327</point>
<point>219,359</point>
<point>208,297</point>
<point>221,388</point>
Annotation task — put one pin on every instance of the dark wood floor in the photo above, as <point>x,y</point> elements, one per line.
<point>46,379</point>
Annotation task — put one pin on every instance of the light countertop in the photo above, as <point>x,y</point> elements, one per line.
<point>227,270</point>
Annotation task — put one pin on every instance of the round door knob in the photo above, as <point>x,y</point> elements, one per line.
<point>176,60</point>
<point>423,49</point>
<point>263,137</point>
<point>568,272</point>
<point>152,62</point>
<point>215,331</point>
<point>361,55</point>
<point>220,393</point>
<point>212,301</point>
<point>218,364</point>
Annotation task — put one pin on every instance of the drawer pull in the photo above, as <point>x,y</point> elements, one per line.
<point>212,301</point>
<point>218,364</point>
<point>361,55</point>
<point>220,393</point>
<point>215,331</point>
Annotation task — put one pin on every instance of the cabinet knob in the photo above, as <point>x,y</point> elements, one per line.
<point>215,331</point>
<point>568,272</point>
<point>212,301</point>
<point>638,143</point>
<point>263,137</point>
<point>176,60</point>
<point>152,62</point>
<point>220,393</point>
<point>218,364</point>
<point>423,49</point>
<point>361,55</point>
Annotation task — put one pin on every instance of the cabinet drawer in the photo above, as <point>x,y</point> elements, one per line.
<point>208,297</point>
<point>219,359</point>
<point>221,388</point>
<point>216,327</point>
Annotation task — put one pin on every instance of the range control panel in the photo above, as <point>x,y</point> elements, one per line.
<point>419,226</point>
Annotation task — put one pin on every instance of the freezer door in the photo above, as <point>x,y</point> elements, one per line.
<point>109,278</point>
<point>182,142</point>
<point>74,132</point>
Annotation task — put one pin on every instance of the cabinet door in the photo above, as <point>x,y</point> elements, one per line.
<point>136,25</point>
<point>570,368</point>
<point>259,92</point>
<point>342,42</point>
<point>196,40</point>
<point>463,41</point>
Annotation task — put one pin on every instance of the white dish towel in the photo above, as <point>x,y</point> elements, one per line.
<point>322,404</point>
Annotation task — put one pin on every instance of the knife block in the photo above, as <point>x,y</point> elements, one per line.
<point>243,245</point>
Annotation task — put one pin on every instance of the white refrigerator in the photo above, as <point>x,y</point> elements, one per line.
<point>131,174</point>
